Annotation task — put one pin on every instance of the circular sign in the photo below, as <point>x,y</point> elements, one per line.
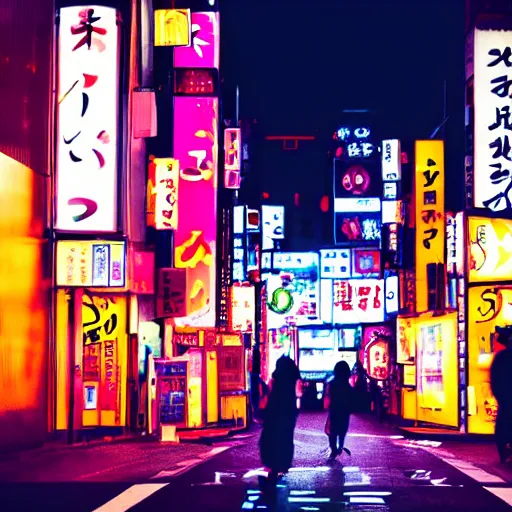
<point>356,180</point>
<point>281,301</point>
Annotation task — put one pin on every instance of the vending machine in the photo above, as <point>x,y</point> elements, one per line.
<point>179,393</point>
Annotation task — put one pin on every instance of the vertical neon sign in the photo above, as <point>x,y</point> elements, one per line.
<point>87,114</point>
<point>196,142</point>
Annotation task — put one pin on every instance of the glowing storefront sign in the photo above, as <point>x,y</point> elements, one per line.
<point>358,141</point>
<point>91,263</point>
<point>488,307</point>
<point>366,263</point>
<point>429,202</point>
<point>492,169</point>
<point>392,296</point>
<point>358,301</point>
<point>242,308</point>
<point>172,27</point>
<point>87,118</point>
<point>455,242</point>
<point>162,203</point>
<point>355,204</point>
<point>335,263</point>
<point>390,191</point>
<point>353,228</point>
<point>104,357</point>
<point>490,250</point>
<point>436,369</point>
<point>272,218</point>
<point>299,281</point>
<point>392,212</point>
<point>391,160</point>
<point>326,300</point>
<point>204,50</point>
<point>196,148</point>
<point>406,340</point>
<point>239,219</point>
<point>232,157</point>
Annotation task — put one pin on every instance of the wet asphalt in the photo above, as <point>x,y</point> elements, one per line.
<point>385,473</point>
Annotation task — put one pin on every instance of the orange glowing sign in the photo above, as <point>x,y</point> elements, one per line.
<point>488,307</point>
<point>489,251</point>
<point>162,200</point>
<point>429,205</point>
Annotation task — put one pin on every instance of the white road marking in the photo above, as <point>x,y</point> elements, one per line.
<point>469,469</point>
<point>131,497</point>
<point>139,492</point>
<point>501,492</point>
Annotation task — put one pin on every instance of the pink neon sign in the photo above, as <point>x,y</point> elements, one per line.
<point>196,148</point>
<point>205,48</point>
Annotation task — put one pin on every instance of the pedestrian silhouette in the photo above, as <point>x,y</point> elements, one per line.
<point>279,418</point>
<point>501,372</point>
<point>339,401</point>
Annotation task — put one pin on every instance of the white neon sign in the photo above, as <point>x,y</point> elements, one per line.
<point>87,115</point>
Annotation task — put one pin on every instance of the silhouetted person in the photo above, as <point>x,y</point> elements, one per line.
<point>279,418</point>
<point>377,399</point>
<point>501,385</point>
<point>339,401</point>
<point>361,387</point>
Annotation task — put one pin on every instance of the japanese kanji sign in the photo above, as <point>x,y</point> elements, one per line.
<point>493,124</point>
<point>162,203</point>
<point>87,116</point>
<point>429,205</point>
<point>358,301</point>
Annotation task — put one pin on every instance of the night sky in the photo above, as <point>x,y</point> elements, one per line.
<point>300,63</point>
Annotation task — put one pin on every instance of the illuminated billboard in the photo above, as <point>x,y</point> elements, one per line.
<point>357,204</point>
<point>205,47</point>
<point>172,27</point>
<point>358,301</point>
<point>295,290</point>
<point>232,157</point>
<point>162,193</point>
<point>104,360</point>
<point>366,263</point>
<point>405,340</point>
<point>392,294</point>
<point>391,160</point>
<point>354,228</point>
<point>375,351</point>
<point>97,263</point>
<point>455,242</point>
<point>196,148</point>
<point>492,178</point>
<point>489,258</point>
<point>488,307</point>
<point>429,206</point>
<point>272,220</point>
<point>335,263</point>
<point>87,120</point>
<point>392,212</point>
<point>355,179</point>
<point>242,308</point>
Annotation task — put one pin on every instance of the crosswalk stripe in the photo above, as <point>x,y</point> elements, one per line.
<point>131,497</point>
<point>504,493</point>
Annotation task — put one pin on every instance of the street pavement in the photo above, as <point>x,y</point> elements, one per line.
<point>386,472</point>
